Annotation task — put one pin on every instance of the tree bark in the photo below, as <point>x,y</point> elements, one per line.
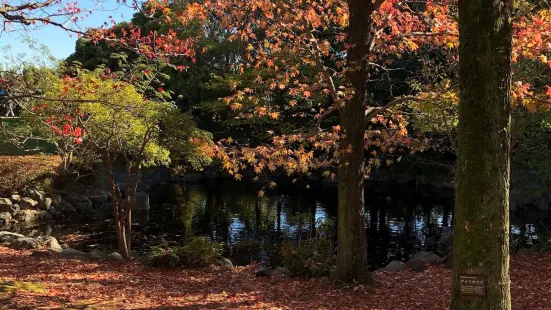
<point>481,221</point>
<point>352,247</point>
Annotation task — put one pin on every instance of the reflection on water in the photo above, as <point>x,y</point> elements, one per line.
<point>399,220</point>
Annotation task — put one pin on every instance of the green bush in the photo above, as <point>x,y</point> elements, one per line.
<point>161,257</point>
<point>313,257</point>
<point>198,252</point>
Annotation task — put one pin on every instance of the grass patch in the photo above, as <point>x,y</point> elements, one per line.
<point>12,286</point>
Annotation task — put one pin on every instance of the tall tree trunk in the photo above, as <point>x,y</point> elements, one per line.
<point>352,247</point>
<point>481,242</point>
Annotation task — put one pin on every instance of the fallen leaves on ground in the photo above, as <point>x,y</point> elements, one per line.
<point>74,284</point>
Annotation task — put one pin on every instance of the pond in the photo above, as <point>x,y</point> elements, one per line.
<point>401,219</point>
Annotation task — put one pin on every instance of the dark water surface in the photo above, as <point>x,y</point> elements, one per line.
<point>400,220</point>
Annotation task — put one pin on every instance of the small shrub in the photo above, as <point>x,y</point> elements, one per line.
<point>313,257</point>
<point>200,252</point>
<point>20,172</point>
<point>163,258</point>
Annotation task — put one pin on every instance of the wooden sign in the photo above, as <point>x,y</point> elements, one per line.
<point>472,285</point>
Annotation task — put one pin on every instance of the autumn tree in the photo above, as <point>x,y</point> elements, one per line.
<point>481,244</point>
<point>321,56</point>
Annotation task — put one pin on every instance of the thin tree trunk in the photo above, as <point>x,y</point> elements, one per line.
<point>481,242</point>
<point>352,246</point>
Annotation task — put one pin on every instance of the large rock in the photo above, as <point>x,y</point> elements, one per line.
<point>15,198</point>
<point>5,217</point>
<point>46,204</point>
<point>421,260</point>
<point>140,188</point>
<point>115,257</point>
<point>49,243</point>
<point>72,253</point>
<point>65,207</point>
<point>95,253</point>
<point>263,272</point>
<point>98,197</point>
<point>36,195</point>
<point>224,262</point>
<point>447,261</point>
<point>79,202</point>
<point>5,205</point>
<point>27,215</point>
<point>52,211</point>
<point>27,203</point>
<point>14,209</point>
<point>41,254</point>
<point>6,236</point>
<point>141,202</point>
<point>394,266</point>
<point>45,216</point>
<point>23,243</point>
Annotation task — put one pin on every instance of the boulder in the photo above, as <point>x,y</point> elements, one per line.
<point>224,262</point>
<point>49,243</point>
<point>41,253</point>
<point>115,257</point>
<point>46,204</point>
<point>447,261</point>
<point>422,259</point>
<point>6,236</point>
<point>5,205</point>
<point>263,272</point>
<point>79,202</point>
<point>14,208</point>
<point>23,243</point>
<point>56,199</point>
<point>141,202</point>
<point>72,253</point>
<point>98,197</point>
<point>52,211</point>
<point>15,198</point>
<point>95,253</point>
<point>394,266</point>
<point>5,217</point>
<point>36,195</point>
<point>45,216</point>
<point>27,203</point>
<point>65,207</point>
<point>27,215</point>
<point>417,265</point>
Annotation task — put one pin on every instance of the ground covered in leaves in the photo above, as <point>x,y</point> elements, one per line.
<point>27,282</point>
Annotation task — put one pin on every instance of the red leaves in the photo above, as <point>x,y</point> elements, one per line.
<point>111,285</point>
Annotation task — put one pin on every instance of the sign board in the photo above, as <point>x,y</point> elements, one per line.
<point>472,285</point>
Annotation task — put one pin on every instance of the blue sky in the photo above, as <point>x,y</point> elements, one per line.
<point>60,42</point>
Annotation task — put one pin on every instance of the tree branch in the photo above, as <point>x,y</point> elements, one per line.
<point>372,111</point>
